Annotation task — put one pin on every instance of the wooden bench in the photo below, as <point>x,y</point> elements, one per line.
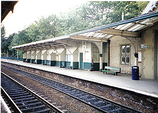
<point>114,70</point>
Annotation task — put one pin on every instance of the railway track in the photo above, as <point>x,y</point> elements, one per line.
<point>99,103</point>
<point>22,100</point>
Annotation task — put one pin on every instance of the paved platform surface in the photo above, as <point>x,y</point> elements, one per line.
<point>143,86</point>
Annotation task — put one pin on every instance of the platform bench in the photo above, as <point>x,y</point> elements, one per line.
<point>114,70</point>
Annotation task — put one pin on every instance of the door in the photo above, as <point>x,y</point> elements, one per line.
<point>81,60</point>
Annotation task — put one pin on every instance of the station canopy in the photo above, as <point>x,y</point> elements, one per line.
<point>125,28</point>
<point>6,7</point>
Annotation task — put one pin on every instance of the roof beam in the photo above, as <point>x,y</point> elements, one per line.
<point>88,39</point>
<point>71,42</point>
<point>122,33</point>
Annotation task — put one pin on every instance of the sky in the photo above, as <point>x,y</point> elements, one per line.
<point>28,11</point>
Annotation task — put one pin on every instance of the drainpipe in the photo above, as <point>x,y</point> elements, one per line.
<point>135,69</point>
<point>136,52</point>
<point>108,53</point>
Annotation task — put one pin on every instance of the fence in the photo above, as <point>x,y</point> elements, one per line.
<point>12,58</point>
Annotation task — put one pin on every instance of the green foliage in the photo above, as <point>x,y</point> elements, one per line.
<point>111,11</point>
<point>2,32</point>
<point>91,14</point>
<point>5,43</point>
<point>32,33</point>
<point>48,26</point>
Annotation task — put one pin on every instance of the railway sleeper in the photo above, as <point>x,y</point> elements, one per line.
<point>108,107</point>
<point>73,92</point>
<point>20,97</point>
<point>30,104</point>
<point>92,100</point>
<point>79,95</point>
<point>17,89</point>
<point>68,91</point>
<point>16,95</point>
<point>60,88</point>
<point>95,101</point>
<point>29,101</point>
<point>64,89</point>
<point>100,103</point>
<point>85,97</point>
<point>35,108</point>
<point>24,99</point>
<point>43,111</point>
<point>118,110</point>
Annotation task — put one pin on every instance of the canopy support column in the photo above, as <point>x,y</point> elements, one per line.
<point>17,55</point>
<point>101,56</point>
<point>136,52</point>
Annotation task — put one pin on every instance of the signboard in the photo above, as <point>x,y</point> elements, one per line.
<point>144,46</point>
<point>139,56</point>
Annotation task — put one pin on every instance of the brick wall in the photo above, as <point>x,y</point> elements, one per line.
<point>115,57</point>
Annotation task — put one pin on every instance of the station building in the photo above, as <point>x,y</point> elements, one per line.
<point>127,43</point>
<point>66,52</point>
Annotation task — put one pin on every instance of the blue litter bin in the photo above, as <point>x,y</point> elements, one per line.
<point>135,73</point>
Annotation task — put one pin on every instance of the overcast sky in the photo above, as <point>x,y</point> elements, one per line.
<point>27,11</point>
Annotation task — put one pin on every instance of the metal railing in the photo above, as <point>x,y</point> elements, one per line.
<point>12,58</point>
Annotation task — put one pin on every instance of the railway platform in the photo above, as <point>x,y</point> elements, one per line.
<point>143,86</point>
<point>4,107</point>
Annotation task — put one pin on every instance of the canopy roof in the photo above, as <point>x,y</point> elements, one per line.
<point>125,28</point>
<point>6,7</point>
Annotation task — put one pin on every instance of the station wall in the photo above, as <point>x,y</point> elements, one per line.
<point>33,56</point>
<point>28,56</point>
<point>105,54</point>
<point>25,55</point>
<point>69,57</point>
<point>116,54</point>
<point>87,57</point>
<point>84,55</point>
<point>38,59</point>
<point>149,55</point>
<point>75,59</point>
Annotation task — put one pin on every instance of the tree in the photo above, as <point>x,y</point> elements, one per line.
<point>91,14</point>
<point>113,10</point>
<point>32,33</point>
<point>2,32</point>
<point>5,42</point>
<point>48,26</point>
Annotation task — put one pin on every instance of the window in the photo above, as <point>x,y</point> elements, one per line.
<point>57,57</point>
<point>125,54</point>
<point>68,58</point>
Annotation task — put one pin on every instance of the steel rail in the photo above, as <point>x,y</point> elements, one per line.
<point>10,102</point>
<point>50,82</point>
<point>48,104</point>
